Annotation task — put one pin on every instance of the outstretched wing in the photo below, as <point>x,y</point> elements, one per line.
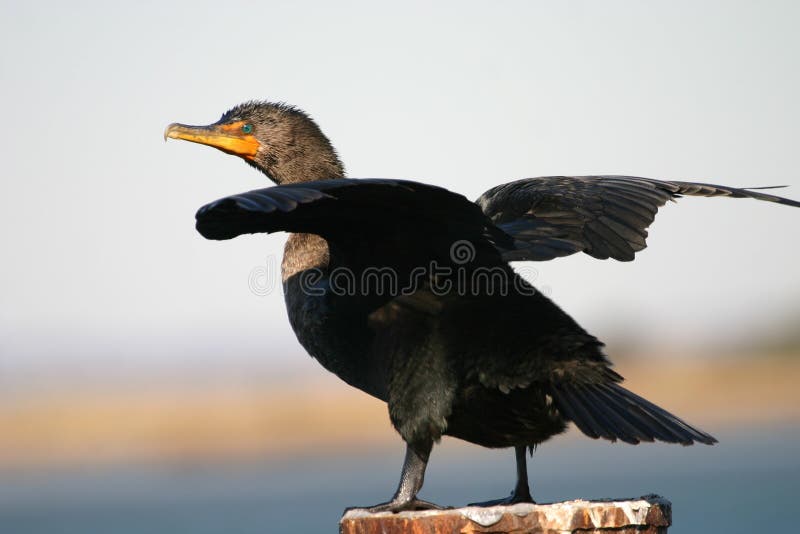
<point>603,216</point>
<point>393,223</point>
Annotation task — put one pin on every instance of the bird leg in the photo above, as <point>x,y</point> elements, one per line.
<point>521,491</point>
<point>405,498</point>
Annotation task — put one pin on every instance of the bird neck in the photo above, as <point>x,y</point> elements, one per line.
<point>303,252</point>
<point>306,159</point>
<point>302,170</point>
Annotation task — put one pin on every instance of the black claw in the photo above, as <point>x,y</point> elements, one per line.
<point>514,498</point>
<point>395,506</point>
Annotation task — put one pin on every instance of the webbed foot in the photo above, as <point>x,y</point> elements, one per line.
<point>515,498</point>
<point>405,498</point>
<point>522,492</point>
<point>397,505</point>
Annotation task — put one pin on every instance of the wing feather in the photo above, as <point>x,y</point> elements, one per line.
<point>603,216</point>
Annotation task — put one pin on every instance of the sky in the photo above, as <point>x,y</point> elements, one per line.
<point>100,258</point>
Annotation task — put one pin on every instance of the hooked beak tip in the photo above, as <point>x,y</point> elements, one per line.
<point>169,131</point>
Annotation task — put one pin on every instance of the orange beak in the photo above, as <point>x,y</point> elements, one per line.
<point>226,137</point>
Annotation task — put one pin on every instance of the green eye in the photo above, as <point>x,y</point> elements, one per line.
<point>247,128</point>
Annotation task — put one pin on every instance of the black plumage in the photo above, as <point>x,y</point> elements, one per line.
<point>453,340</point>
<point>603,216</point>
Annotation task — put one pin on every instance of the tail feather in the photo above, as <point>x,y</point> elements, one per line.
<point>612,412</point>
<point>665,416</point>
<point>633,431</point>
<point>576,412</point>
<point>648,427</point>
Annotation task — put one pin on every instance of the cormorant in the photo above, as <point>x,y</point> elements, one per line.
<point>404,290</point>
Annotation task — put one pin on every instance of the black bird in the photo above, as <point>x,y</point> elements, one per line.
<point>404,290</point>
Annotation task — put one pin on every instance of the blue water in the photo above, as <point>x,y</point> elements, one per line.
<point>749,482</point>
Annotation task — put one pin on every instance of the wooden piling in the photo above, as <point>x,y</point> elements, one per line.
<point>650,514</point>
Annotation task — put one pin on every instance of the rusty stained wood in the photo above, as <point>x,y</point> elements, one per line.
<point>650,514</point>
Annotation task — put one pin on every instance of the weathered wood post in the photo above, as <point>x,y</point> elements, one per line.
<point>650,514</point>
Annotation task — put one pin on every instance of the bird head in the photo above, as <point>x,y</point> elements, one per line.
<point>281,141</point>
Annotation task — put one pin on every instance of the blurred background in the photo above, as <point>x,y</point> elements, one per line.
<point>149,379</point>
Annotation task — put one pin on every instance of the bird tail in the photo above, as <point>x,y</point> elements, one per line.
<point>609,411</point>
